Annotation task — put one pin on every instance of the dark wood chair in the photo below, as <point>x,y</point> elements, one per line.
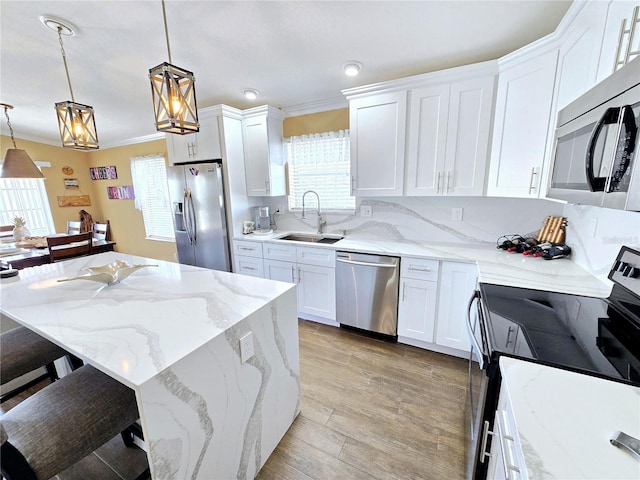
<point>62,248</point>
<point>101,231</point>
<point>23,351</point>
<point>73,227</point>
<point>62,423</point>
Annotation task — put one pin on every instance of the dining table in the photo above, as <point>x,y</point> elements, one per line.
<point>212,356</point>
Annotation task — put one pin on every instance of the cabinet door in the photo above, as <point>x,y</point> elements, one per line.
<point>256,155</point>
<point>203,145</point>
<point>417,309</point>
<point>278,270</point>
<point>580,53</point>
<point>457,283</point>
<point>468,131</point>
<point>317,291</point>
<point>617,12</point>
<point>377,144</point>
<point>521,129</point>
<point>426,139</point>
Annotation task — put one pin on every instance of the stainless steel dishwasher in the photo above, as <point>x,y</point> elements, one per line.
<point>367,292</point>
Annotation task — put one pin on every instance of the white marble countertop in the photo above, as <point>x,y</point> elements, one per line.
<point>495,266</point>
<point>169,311</point>
<point>564,421</point>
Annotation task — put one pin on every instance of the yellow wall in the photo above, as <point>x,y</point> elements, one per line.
<point>127,226</point>
<point>330,121</point>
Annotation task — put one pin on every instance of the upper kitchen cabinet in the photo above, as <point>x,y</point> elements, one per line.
<point>263,151</point>
<point>619,10</point>
<point>522,122</point>
<point>580,49</point>
<point>377,125</point>
<point>195,147</point>
<point>448,134</point>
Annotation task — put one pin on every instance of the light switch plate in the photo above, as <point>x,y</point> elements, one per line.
<point>366,211</point>
<point>456,214</point>
<point>246,347</point>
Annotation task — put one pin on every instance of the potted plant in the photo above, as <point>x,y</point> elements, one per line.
<point>20,230</point>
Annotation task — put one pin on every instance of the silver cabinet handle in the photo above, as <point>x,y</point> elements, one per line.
<point>404,289</point>
<point>266,185</point>
<point>510,330</point>
<point>448,180</point>
<point>293,274</point>
<point>299,276</point>
<point>248,268</point>
<point>622,440</point>
<point>438,182</point>
<point>414,269</point>
<point>353,183</point>
<point>485,434</point>
<point>249,249</point>
<point>533,174</point>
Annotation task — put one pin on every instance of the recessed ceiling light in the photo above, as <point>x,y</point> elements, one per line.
<point>351,69</point>
<point>250,93</point>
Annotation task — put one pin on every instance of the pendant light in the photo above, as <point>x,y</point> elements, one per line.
<point>17,164</point>
<point>76,121</point>
<point>174,95</point>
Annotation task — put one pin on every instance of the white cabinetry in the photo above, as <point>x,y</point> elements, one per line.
<point>313,270</point>
<point>522,124</point>
<point>580,53</point>
<point>457,283</point>
<point>377,126</point>
<point>418,299</point>
<point>247,258</point>
<point>617,12</point>
<point>263,151</point>
<point>203,145</point>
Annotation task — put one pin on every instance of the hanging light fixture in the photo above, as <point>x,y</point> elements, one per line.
<point>174,95</point>
<point>76,121</point>
<point>17,164</point>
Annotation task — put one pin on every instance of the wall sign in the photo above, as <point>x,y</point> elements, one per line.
<point>122,192</point>
<point>70,183</point>
<point>74,201</point>
<point>103,173</point>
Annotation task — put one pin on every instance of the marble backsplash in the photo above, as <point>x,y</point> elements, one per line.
<point>594,234</point>
<point>429,219</point>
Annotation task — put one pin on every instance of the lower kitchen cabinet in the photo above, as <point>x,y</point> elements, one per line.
<point>316,283</point>
<point>248,266</point>
<point>457,284</point>
<point>417,309</point>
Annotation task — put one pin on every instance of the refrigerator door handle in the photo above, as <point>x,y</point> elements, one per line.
<point>192,219</point>
<point>187,197</point>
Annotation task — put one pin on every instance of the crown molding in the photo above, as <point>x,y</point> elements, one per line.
<point>336,103</point>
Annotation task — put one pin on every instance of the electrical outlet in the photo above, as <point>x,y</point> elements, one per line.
<point>366,211</point>
<point>246,347</point>
<point>456,214</point>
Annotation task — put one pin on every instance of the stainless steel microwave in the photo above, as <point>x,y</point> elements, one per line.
<point>596,159</point>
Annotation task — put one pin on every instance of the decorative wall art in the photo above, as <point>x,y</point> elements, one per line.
<point>103,173</point>
<point>67,170</point>
<point>74,201</point>
<point>123,192</point>
<point>70,183</point>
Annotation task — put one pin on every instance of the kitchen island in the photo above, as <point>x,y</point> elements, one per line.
<point>172,333</point>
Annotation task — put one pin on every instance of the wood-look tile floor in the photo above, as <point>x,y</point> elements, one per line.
<point>370,410</point>
<point>373,410</point>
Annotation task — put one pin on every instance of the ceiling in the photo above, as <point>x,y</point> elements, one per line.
<point>290,51</point>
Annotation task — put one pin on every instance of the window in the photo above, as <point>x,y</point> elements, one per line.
<point>26,198</point>
<point>149,176</point>
<point>320,162</point>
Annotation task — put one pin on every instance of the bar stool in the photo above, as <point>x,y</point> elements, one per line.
<point>23,351</point>
<point>64,422</point>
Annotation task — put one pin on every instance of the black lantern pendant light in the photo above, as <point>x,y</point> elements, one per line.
<point>17,163</point>
<point>174,95</point>
<point>76,121</point>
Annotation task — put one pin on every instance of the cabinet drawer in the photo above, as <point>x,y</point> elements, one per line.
<point>248,266</point>
<point>247,249</point>
<point>419,268</point>
<point>322,257</point>
<point>279,251</point>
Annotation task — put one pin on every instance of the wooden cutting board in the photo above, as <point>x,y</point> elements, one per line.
<point>553,230</point>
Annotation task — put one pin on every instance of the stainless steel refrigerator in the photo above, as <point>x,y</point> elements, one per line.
<point>199,219</point>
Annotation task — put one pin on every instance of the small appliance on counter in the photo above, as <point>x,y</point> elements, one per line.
<point>262,221</point>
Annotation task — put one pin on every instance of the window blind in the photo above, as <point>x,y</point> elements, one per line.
<point>26,198</point>
<point>320,162</point>
<point>149,176</point>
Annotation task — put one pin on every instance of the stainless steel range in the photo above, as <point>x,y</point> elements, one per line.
<point>593,336</point>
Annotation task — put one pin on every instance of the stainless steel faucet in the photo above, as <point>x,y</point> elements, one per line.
<point>321,221</point>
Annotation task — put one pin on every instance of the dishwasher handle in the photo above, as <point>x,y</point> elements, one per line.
<point>367,264</point>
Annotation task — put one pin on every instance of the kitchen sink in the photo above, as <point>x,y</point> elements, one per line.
<point>310,237</point>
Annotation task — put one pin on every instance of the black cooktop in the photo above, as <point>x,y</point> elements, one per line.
<point>585,334</point>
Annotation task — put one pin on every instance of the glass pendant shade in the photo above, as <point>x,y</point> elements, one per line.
<point>77,126</point>
<point>174,99</point>
<point>18,164</point>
